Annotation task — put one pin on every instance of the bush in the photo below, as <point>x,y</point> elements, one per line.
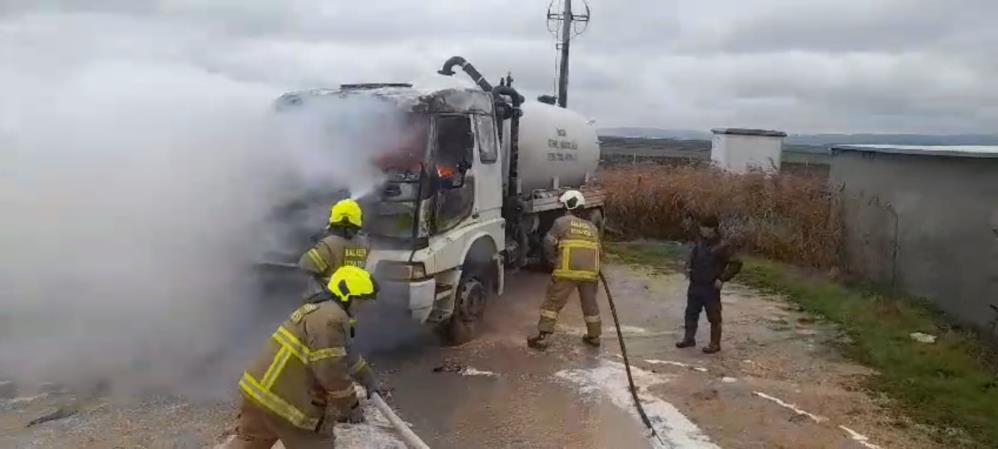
<point>785,217</point>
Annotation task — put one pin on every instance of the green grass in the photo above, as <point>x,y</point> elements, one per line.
<point>949,385</point>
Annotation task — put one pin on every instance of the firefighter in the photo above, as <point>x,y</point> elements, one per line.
<point>574,243</point>
<point>303,383</point>
<point>712,262</point>
<point>341,246</point>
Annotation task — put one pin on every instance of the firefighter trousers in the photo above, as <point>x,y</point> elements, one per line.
<point>558,291</point>
<point>258,429</point>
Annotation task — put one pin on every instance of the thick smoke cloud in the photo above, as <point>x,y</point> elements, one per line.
<point>135,184</point>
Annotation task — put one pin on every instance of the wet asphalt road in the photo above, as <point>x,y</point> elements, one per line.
<point>496,392</point>
<point>775,385</point>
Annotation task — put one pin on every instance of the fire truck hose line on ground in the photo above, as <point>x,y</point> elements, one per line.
<point>411,439</point>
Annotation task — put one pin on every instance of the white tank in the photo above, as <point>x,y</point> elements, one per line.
<point>555,143</point>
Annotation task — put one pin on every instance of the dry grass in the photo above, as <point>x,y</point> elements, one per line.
<point>786,217</point>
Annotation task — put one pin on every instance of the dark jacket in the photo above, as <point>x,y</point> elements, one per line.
<point>712,260</point>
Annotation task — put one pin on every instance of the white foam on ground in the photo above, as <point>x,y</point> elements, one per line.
<point>610,331</point>
<point>679,364</point>
<point>610,380</point>
<point>469,371</point>
<point>860,438</point>
<point>787,405</point>
<point>633,330</point>
<point>26,399</point>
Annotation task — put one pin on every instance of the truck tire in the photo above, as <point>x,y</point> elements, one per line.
<point>469,307</point>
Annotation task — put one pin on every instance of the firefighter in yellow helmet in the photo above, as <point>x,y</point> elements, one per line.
<point>341,246</point>
<point>303,382</point>
<point>574,243</point>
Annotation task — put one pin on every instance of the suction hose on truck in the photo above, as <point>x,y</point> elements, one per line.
<point>627,363</point>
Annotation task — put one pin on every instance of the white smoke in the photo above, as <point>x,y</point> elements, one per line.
<point>133,180</point>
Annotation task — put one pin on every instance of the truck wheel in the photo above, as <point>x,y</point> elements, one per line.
<point>469,307</point>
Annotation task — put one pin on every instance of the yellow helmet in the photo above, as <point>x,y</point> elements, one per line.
<point>350,282</point>
<point>347,211</point>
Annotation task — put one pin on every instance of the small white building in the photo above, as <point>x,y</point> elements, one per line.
<point>739,150</point>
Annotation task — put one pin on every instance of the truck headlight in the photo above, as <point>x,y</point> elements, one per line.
<point>401,271</point>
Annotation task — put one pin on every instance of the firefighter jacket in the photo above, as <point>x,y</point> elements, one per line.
<point>306,367</point>
<point>574,243</point>
<point>328,255</point>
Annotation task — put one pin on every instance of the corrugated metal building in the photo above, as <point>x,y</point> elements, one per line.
<point>924,219</point>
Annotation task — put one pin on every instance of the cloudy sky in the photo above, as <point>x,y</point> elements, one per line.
<point>798,65</point>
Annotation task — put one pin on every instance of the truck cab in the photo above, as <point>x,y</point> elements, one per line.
<point>451,213</point>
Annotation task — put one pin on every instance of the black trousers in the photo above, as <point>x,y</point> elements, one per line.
<point>700,297</point>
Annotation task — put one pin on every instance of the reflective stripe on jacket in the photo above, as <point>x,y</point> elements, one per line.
<point>305,367</point>
<point>576,243</point>
<point>333,252</point>
<point>328,255</point>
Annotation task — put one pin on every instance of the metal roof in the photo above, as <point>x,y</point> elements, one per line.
<point>969,151</point>
<point>749,132</point>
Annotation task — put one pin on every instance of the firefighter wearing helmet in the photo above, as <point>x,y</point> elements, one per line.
<point>574,245</point>
<point>303,382</point>
<point>341,246</point>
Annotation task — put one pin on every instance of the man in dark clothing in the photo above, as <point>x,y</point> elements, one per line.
<point>712,262</point>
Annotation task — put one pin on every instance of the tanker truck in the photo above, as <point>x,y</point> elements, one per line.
<point>470,196</point>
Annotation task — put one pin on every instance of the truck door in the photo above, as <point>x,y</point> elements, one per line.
<point>454,174</point>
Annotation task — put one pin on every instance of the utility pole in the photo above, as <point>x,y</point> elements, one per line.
<point>566,17</point>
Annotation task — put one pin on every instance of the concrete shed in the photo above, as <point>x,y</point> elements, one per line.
<point>925,219</point>
<point>739,149</point>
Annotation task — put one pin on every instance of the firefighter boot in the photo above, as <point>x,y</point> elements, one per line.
<point>591,341</point>
<point>690,340</point>
<point>715,339</point>
<point>539,341</point>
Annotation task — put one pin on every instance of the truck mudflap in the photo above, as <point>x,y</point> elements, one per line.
<point>418,296</point>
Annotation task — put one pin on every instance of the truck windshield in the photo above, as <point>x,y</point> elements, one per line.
<point>392,210</point>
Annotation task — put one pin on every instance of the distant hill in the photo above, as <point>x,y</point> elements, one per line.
<point>816,139</point>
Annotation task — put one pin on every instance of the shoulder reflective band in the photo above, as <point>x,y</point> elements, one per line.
<point>275,404</point>
<point>317,260</point>
<point>288,341</point>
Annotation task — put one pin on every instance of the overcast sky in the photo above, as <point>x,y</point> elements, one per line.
<point>798,65</point>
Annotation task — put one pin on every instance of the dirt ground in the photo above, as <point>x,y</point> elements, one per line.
<point>779,383</point>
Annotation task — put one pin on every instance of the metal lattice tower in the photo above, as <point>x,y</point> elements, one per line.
<point>564,26</point>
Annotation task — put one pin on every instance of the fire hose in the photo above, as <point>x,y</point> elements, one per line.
<point>411,439</point>
<point>627,363</point>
